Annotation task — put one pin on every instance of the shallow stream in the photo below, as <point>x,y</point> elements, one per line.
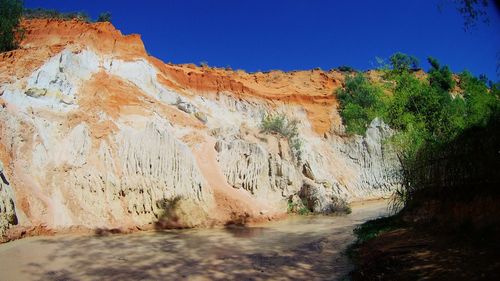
<point>297,248</point>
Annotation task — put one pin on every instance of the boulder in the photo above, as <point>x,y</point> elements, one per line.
<point>36,92</point>
<point>322,200</point>
<point>186,107</point>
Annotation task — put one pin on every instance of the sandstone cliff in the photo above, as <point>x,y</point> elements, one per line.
<point>95,133</point>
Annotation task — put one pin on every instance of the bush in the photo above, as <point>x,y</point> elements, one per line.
<point>374,228</point>
<point>304,211</point>
<point>479,102</point>
<point>298,207</point>
<point>360,102</point>
<point>425,114</point>
<point>281,125</point>
<point>370,230</point>
<point>10,17</point>
<point>403,62</point>
<point>428,117</point>
<point>41,13</point>
<point>345,68</point>
<point>440,77</point>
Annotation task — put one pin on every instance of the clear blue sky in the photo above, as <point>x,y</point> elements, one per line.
<point>293,34</point>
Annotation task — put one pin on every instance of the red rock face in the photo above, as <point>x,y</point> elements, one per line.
<point>313,90</point>
<point>101,37</point>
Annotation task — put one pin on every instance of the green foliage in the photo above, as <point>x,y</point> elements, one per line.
<point>422,112</point>
<point>356,118</point>
<point>426,114</point>
<point>374,228</point>
<point>440,77</point>
<point>300,208</point>
<point>104,17</point>
<point>10,17</point>
<point>280,124</point>
<point>360,102</point>
<point>418,108</point>
<point>290,207</point>
<point>304,211</point>
<point>345,68</point>
<point>370,230</point>
<point>41,13</point>
<point>495,90</point>
<point>479,104</point>
<point>296,145</point>
<point>403,62</point>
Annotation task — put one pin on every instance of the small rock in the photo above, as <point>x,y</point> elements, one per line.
<point>67,99</point>
<point>201,116</point>
<point>186,107</point>
<point>307,171</point>
<point>36,92</point>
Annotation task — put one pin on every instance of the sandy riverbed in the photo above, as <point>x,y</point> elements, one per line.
<point>299,248</point>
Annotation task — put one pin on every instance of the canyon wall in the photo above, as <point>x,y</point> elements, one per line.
<point>95,133</point>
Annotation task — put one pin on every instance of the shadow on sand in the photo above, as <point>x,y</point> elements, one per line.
<point>236,252</point>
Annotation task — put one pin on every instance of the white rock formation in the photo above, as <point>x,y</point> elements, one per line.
<point>375,170</point>
<point>7,207</point>
<point>69,167</point>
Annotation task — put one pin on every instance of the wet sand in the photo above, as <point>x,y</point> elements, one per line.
<point>298,248</point>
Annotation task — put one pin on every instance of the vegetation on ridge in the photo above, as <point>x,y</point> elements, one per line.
<point>12,11</point>
<point>10,17</point>
<point>104,17</point>
<point>360,101</point>
<point>447,140</point>
<point>41,13</point>
<point>424,111</point>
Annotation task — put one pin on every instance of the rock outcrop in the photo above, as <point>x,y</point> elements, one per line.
<point>8,216</point>
<point>95,133</point>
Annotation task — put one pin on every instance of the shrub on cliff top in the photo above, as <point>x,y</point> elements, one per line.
<point>440,77</point>
<point>403,62</point>
<point>103,17</point>
<point>10,17</point>
<point>345,68</point>
<point>360,102</point>
<point>426,114</point>
<point>41,13</point>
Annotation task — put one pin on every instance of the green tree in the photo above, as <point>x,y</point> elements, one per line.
<point>495,89</point>
<point>403,62</point>
<point>440,77</point>
<point>480,103</point>
<point>360,102</point>
<point>10,17</point>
